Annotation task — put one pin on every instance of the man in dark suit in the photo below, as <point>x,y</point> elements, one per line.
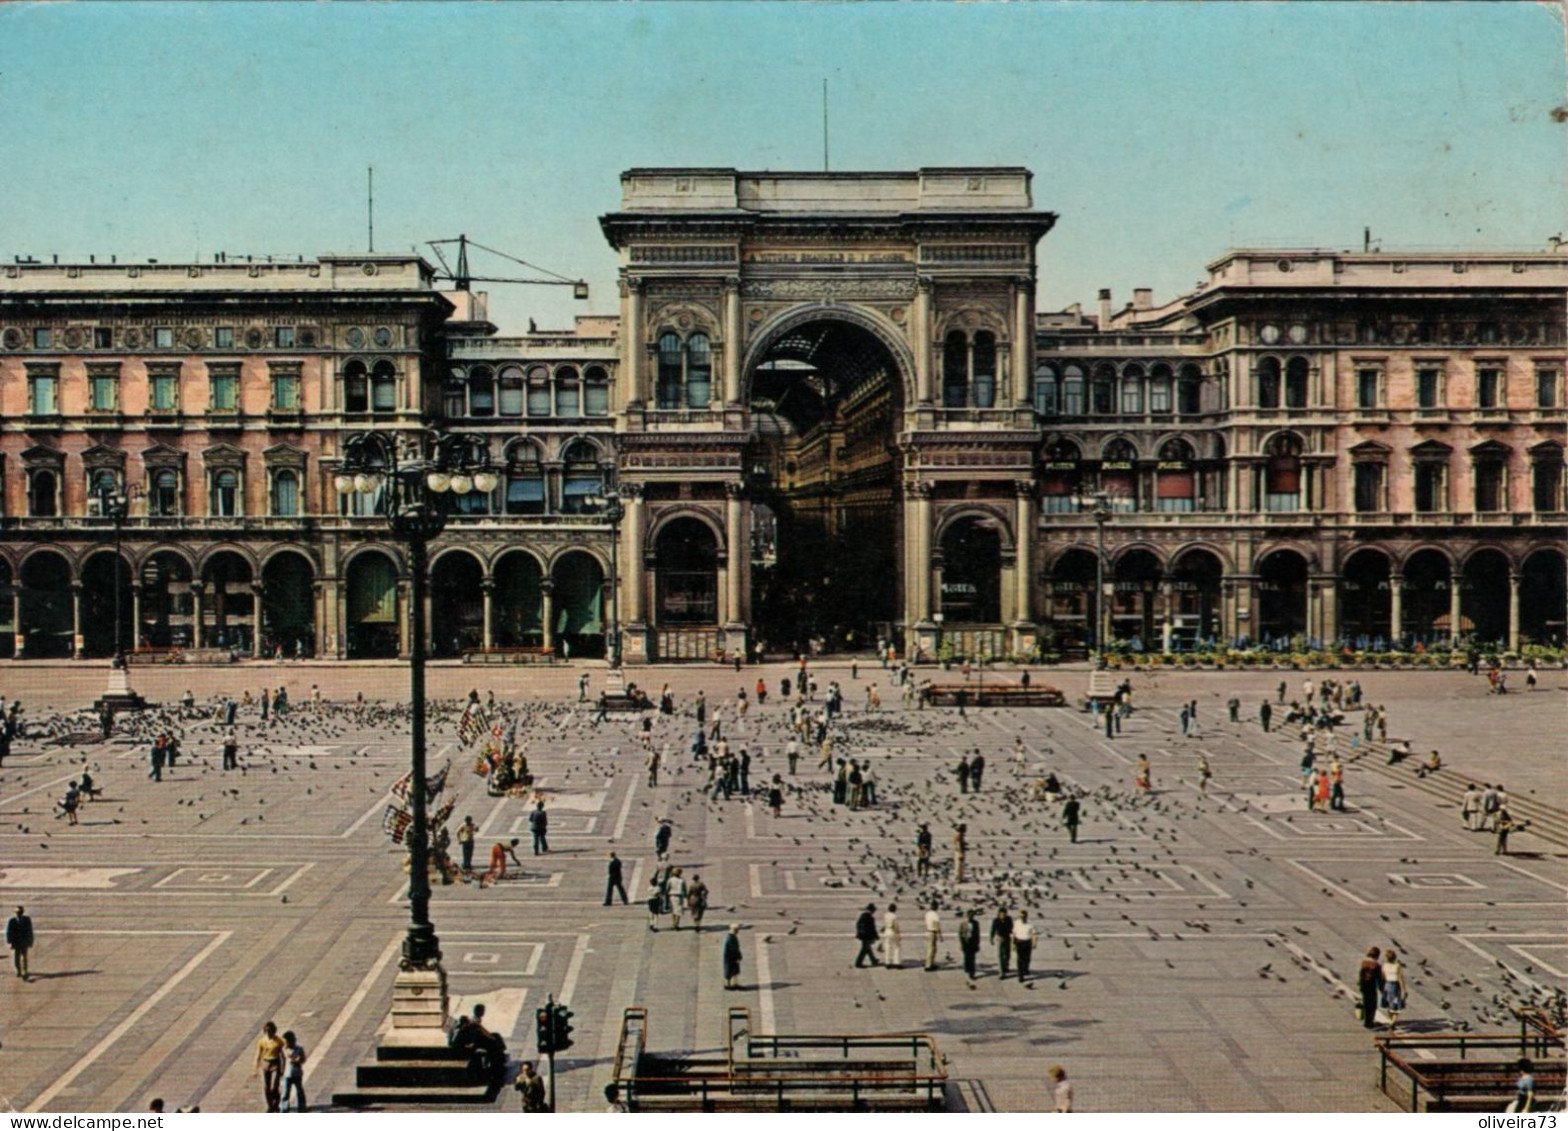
<point>866,932</point>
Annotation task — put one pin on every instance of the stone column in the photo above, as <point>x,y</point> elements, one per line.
<point>1023,341</point>
<point>632,343</point>
<point>1396,608</point>
<point>1330,611</point>
<point>1454,612</point>
<point>199,624</point>
<point>404,619</point>
<point>738,553</point>
<point>920,537</point>
<point>19,635</point>
<point>631,551</point>
<point>920,338</point>
<point>1023,576</point>
<point>732,340</point>
<point>76,620</point>
<point>487,589</point>
<point>547,611</point>
<point>1513,611</point>
<point>1162,612</point>
<point>256,593</point>
<point>136,617</point>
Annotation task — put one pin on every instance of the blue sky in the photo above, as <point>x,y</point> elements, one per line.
<point>1161,133</point>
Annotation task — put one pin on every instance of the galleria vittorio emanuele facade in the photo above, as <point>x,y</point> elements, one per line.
<point>832,415</point>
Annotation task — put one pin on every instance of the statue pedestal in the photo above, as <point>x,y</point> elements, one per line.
<point>118,696</point>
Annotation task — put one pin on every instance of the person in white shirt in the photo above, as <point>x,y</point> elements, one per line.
<point>933,937</point>
<point>892,939</point>
<point>1064,1087</point>
<point>1024,935</point>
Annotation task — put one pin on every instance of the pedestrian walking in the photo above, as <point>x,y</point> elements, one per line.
<point>960,850</point>
<point>1062,1094</point>
<point>269,1065</point>
<point>661,839</point>
<point>976,771</point>
<point>697,902</point>
<point>19,937</point>
<point>1470,806</point>
<point>1394,991</point>
<point>969,943</point>
<point>1233,705</point>
<point>792,754</point>
<point>963,773</point>
<point>231,750</point>
<point>1336,786</point>
<point>1504,825</point>
<point>1369,980</point>
<point>1025,935</point>
<point>923,851</point>
<point>293,1072</point>
<point>652,765</point>
<point>1070,811</point>
<point>539,826</point>
<point>776,797</point>
<point>531,1086</point>
<point>1002,936</point>
<point>675,896</point>
<point>1265,713</point>
<point>614,880</point>
<point>1204,773</point>
<point>465,843</point>
<point>582,688</point>
<point>866,933</point>
<point>933,937</point>
<point>158,755</point>
<point>732,958</point>
<point>892,939</point>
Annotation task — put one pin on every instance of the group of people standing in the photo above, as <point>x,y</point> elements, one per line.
<point>882,945</point>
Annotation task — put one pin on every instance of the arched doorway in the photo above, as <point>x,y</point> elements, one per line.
<point>1195,581</point>
<point>826,394</point>
<point>372,606</point>
<point>1071,606</point>
<point>519,601</point>
<point>228,602</point>
<point>1484,596</point>
<point>578,604</point>
<point>1543,598</point>
<point>457,608</point>
<point>1282,598</point>
<point>99,579</point>
<point>47,614</point>
<point>970,598</point>
<point>168,605</point>
<point>686,591</point>
<point>1426,599</point>
<point>1136,579</point>
<point>288,604</point>
<point>1366,599</point>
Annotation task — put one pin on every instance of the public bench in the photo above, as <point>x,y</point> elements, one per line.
<point>156,654</point>
<point>994,695</point>
<point>523,654</point>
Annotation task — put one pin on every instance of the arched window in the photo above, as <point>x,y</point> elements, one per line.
<point>1072,391</point>
<point>699,371</point>
<point>669,388</point>
<point>1132,390</point>
<point>1046,390</point>
<point>513,389</point>
<point>285,493</point>
<point>481,391</point>
<point>383,388</point>
<point>538,391</point>
<point>44,495</point>
<point>163,500</point>
<point>1296,383</point>
<point>1061,479</point>
<point>454,394</point>
<point>524,480</point>
<point>596,391</point>
<point>1160,389</point>
<point>582,479</point>
<point>1189,388</point>
<point>955,370</point>
<point>103,482</point>
<point>225,493</point>
<point>356,388</point>
<point>1175,486</point>
<point>1268,383</point>
<point>1119,475</point>
<point>568,393</point>
<point>1103,390</point>
<point>984,380</point>
<point>1282,476</point>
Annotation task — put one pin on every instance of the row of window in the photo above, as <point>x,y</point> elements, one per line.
<point>685,372</point>
<point>1491,387</point>
<point>163,392</point>
<point>165,492</point>
<point>1488,482</point>
<point>480,391</point>
<point>163,338</point>
<point>1065,391</point>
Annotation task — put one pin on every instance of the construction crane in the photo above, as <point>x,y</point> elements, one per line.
<point>462,278</point>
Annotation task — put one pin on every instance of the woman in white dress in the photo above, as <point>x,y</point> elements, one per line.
<point>892,941</point>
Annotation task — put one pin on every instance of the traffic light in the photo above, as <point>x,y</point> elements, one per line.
<point>544,1028</point>
<point>561,1034</point>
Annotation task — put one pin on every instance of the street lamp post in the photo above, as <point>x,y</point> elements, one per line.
<point>408,480</point>
<point>610,506</point>
<point>1102,514</point>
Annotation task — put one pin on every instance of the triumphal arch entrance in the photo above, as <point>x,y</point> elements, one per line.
<point>825,428</point>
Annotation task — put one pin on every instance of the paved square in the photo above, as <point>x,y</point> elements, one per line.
<point>1196,952</point>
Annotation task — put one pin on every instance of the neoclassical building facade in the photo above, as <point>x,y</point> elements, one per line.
<point>832,414</point>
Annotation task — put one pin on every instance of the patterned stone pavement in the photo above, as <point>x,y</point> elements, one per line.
<point>1195,951</point>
